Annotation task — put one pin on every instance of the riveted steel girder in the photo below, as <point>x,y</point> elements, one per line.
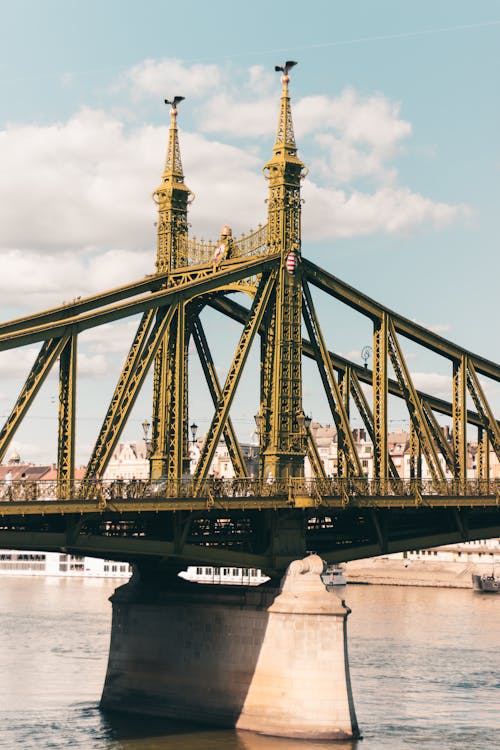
<point>439,438</point>
<point>222,410</point>
<point>48,354</point>
<point>111,423</point>
<point>317,465</point>
<point>366,415</point>
<point>414,404</point>
<point>125,396</point>
<point>380,395</point>
<point>483,454</point>
<point>332,390</point>
<point>67,415</point>
<point>459,391</point>
<point>490,423</point>
<point>408,328</point>
<point>208,366</point>
<point>192,282</point>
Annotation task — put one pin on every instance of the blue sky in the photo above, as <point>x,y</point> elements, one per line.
<point>396,115</point>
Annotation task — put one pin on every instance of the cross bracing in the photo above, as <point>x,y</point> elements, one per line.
<point>268,267</point>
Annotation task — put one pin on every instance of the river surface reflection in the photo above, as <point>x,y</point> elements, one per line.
<point>425,668</point>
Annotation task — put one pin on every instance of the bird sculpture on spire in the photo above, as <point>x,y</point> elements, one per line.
<point>285,68</point>
<point>175,101</point>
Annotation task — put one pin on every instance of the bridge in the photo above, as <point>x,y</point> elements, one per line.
<point>271,520</point>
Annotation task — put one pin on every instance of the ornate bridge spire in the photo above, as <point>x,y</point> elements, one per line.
<point>285,138</point>
<point>169,439</point>
<point>283,438</point>
<point>172,198</point>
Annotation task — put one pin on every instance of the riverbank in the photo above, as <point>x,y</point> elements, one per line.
<point>401,572</point>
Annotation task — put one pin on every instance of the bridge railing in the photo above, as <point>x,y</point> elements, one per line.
<point>109,490</point>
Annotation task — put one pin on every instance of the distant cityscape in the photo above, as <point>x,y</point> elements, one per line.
<point>130,459</point>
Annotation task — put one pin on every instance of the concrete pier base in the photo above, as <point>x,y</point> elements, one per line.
<point>259,659</point>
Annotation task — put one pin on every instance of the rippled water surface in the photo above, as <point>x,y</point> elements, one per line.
<point>425,667</point>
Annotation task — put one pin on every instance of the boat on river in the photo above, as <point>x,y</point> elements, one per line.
<point>333,575</point>
<point>486,584</point>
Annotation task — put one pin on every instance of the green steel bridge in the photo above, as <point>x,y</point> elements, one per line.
<point>270,520</point>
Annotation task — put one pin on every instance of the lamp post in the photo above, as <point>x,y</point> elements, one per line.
<point>145,429</point>
<point>304,423</point>
<point>194,429</point>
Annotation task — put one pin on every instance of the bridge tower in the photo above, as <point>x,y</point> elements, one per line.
<point>282,435</point>
<point>169,439</point>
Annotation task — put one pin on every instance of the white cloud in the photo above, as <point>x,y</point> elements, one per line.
<point>434,383</point>
<point>113,338</point>
<point>86,184</point>
<point>16,363</point>
<point>168,78</point>
<point>37,280</point>
<point>92,365</point>
<point>331,213</point>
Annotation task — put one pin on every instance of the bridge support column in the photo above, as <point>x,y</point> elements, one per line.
<point>259,659</point>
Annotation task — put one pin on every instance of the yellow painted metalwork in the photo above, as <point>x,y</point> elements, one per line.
<point>490,423</point>
<point>283,445</point>
<point>125,397</point>
<point>380,396</point>
<point>352,463</point>
<point>439,437</point>
<point>169,433</point>
<point>222,410</point>
<point>459,400</point>
<point>172,198</point>
<point>317,465</point>
<point>414,404</point>
<point>114,420</point>
<point>48,354</point>
<point>67,415</point>
<point>483,454</point>
<point>208,366</point>
<point>366,415</point>
<point>415,454</point>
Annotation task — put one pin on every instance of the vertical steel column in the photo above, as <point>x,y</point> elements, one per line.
<point>67,418</point>
<point>483,454</point>
<point>169,439</point>
<point>342,448</point>
<point>459,416</point>
<point>415,454</point>
<point>281,399</point>
<point>380,396</point>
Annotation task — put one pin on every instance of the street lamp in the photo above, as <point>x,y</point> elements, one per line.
<point>145,428</point>
<point>194,430</point>
<point>303,422</point>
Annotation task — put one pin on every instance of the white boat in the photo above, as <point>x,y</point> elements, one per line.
<point>486,584</point>
<point>231,576</point>
<point>23,563</point>
<point>333,575</point>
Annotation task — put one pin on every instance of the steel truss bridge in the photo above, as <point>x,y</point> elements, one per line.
<point>267,521</point>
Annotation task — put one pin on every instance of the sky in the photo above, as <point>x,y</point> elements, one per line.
<point>396,115</point>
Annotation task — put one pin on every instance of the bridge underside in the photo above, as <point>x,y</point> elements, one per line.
<point>265,536</point>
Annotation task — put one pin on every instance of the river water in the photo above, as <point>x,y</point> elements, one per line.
<point>425,668</point>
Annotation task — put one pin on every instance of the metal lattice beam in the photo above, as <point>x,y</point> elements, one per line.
<point>255,317</point>
<point>67,415</point>
<point>332,390</point>
<point>208,366</point>
<point>48,354</point>
<point>414,405</point>
<point>123,401</point>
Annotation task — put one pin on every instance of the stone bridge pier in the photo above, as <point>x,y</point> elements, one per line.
<point>272,661</point>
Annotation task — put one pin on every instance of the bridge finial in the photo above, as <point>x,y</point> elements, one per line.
<point>172,198</point>
<point>285,136</point>
<point>173,163</point>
